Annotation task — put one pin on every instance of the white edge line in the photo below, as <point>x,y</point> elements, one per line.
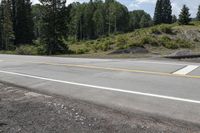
<point>104,88</point>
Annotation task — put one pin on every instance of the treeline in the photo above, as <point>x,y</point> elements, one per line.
<point>51,24</point>
<point>16,25</point>
<point>97,18</point>
<point>163,14</point>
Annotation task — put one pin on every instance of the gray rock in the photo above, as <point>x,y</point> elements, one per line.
<point>182,53</point>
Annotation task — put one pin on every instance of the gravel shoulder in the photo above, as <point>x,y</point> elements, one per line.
<point>22,111</point>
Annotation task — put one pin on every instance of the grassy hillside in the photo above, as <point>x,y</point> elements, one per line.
<point>161,39</point>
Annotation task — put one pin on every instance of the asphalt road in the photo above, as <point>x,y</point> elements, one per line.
<point>161,88</point>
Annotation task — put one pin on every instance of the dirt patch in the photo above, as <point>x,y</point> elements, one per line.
<point>28,112</point>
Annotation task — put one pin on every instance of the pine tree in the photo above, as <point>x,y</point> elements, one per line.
<point>158,12</point>
<point>54,26</point>
<point>174,19</point>
<point>198,14</point>
<point>184,17</point>
<point>166,12</point>
<point>163,12</point>
<point>7,35</point>
<point>1,25</point>
<point>88,21</point>
<point>23,22</point>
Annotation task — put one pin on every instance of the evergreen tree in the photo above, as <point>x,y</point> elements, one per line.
<point>184,17</point>
<point>1,25</point>
<point>166,12</point>
<point>6,29</point>
<point>158,12</point>
<point>163,12</point>
<point>174,19</point>
<point>54,26</point>
<point>23,22</point>
<point>88,20</point>
<point>198,14</point>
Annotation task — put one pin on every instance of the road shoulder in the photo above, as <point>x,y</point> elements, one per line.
<point>25,111</point>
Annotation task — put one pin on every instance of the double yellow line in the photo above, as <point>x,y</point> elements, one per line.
<point>112,69</point>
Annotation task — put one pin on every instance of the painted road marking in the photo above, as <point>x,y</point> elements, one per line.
<point>104,88</point>
<point>114,69</point>
<point>186,70</point>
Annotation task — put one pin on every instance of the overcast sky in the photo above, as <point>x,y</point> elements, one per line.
<point>149,5</point>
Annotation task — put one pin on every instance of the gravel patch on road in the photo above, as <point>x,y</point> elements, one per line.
<point>22,111</point>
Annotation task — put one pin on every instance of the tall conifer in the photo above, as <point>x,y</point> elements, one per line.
<point>198,14</point>
<point>166,12</point>
<point>184,17</point>
<point>158,12</point>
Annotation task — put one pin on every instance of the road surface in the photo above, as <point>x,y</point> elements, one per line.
<point>161,88</point>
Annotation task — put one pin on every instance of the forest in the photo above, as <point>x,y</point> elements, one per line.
<point>46,28</point>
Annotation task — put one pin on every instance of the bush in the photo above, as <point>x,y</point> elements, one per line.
<point>174,44</point>
<point>165,38</point>
<point>27,50</point>
<point>106,46</point>
<point>121,41</point>
<point>155,30</point>
<point>166,29</point>
<point>135,44</point>
<point>171,45</point>
<point>149,40</point>
<point>146,40</point>
<point>82,51</point>
<point>183,43</point>
<point>162,28</point>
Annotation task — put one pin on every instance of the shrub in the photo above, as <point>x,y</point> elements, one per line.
<point>146,40</point>
<point>27,50</point>
<point>183,43</point>
<point>149,40</point>
<point>82,51</point>
<point>105,46</point>
<point>121,41</point>
<point>155,30</point>
<point>171,45</point>
<point>135,44</point>
<point>165,38</point>
<point>162,28</point>
<point>166,29</point>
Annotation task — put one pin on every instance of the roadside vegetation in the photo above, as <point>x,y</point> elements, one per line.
<point>157,39</point>
<point>52,28</point>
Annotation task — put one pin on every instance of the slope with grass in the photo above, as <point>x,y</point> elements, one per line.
<point>157,40</point>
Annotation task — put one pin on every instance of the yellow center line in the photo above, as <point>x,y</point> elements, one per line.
<point>113,69</point>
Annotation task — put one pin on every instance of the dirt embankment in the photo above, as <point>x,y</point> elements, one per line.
<point>22,111</point>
